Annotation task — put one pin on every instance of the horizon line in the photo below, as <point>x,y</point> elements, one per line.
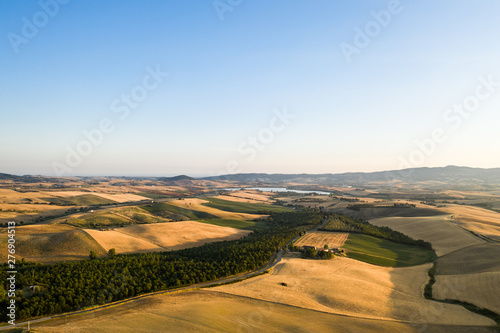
<point>241,173</point>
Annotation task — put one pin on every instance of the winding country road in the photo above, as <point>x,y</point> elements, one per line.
<point>233,278</point>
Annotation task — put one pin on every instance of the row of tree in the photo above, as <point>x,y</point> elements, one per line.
<point>348,224</point>
<point>358,207</point>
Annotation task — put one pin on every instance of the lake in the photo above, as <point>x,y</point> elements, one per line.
<point>277,189</point>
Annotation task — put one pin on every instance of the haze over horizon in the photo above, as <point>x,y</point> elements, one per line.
<point>167,88</point>
<point>204,175</point>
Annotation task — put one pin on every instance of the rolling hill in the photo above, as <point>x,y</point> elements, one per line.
<point>449,175</point>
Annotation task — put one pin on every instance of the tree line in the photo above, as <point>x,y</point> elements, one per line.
<point>348,224</point>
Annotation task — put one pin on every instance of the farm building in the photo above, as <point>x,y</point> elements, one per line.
<point>337,251</point>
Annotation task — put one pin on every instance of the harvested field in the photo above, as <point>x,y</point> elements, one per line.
<point>163,236</point>
<point>237,199</point>
<point>120,197</point>
<point>444,236</point>
<point>13,210</point>
<point>50,243</point>
<point>100,219</point>
<point>121,242</point>
<point>67,194</point>
<point>181,235</point>
<point>176,213</point>
<point>481,289</point>
<point>237,224</point>
<point>117,197</point>
<point>210,311</point>
<point>248,196</point>
<point>479,220</point>
<point>349,287</point>
<point>473,259</point>
<point>321,238</point>
<point>79,200</point>
<point>197,204</point>
<point>113,217</point>
<point>245,207</point>
<point>472,275</point>
<point>14,197</point>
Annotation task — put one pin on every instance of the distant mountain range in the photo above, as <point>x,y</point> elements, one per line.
<point>449,175</point>
<point>176,178</point>
<point>26,179</point>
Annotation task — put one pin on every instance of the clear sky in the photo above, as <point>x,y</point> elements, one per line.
<point>282,86</point>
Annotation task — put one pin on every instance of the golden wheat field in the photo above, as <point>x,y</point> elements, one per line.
<point>50,243</point>
<point>472,259</point>
<point>471,274</point>
<point>236,199</point>
<point>248,196</point>
<point>321,238</point>
<point>197,204</point>
<point>349,287</point>
<point>114,196</point>
<point>68,194</point>
<point>445,236</point>
<point>181,235</point>
<point>214,312</point>
<point>163,236</point>
<point>21,206</point>
<point>121,242</point>
<point>26,212</point>
<point>12,196</point>
<point>481,289</point>
<point>121,197</point>
<point>479,220</point>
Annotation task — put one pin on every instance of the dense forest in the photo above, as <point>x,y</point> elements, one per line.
<point>72,286</point>
<point>349,224</point>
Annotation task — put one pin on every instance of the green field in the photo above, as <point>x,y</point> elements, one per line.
<point>176,213</point>
<point>237,224</point>
<point>80,200</point>
<point>385,253</point>
<point>245,207</point>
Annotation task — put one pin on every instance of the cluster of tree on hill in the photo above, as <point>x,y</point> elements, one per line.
<point>71,286</point>
<point>358,225</point>
<point>485,205</point>
<point>347,199</point>
<point>312,253</point>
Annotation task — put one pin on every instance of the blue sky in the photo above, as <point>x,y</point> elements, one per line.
<point>228,78</point>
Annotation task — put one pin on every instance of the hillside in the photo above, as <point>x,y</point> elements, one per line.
<point>448,175</point>
<point>354,289</point>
